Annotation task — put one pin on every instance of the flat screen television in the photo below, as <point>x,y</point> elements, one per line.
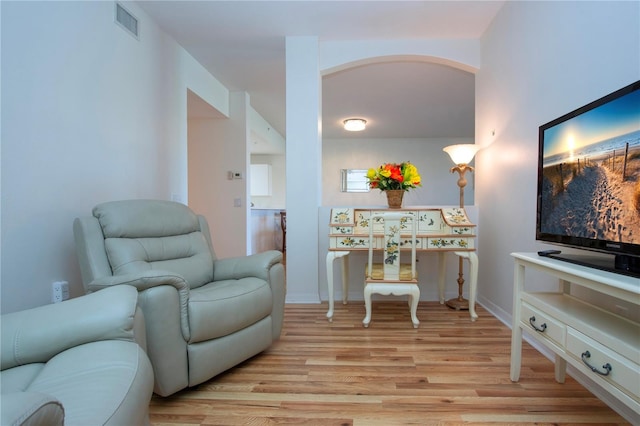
<point>588,193</point>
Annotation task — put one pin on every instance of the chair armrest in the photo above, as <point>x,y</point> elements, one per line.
<point>267,266</point>
<point>30,408</point>
<point>141,281</point>
<point>149,279</point>
<point>38,334</point>
<point>256,265</point>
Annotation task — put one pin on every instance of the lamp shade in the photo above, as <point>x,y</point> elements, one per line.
<point>461,153</point>
<point>355,124</point>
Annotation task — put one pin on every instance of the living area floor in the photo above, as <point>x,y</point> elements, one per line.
<point>448,371</point>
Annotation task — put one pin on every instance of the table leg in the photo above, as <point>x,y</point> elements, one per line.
<point>516,330</point>
<point>560,369</point>
<point>516,353</point>
<point>441,275</point>
<point>345,278</point>
<point>331,256</point>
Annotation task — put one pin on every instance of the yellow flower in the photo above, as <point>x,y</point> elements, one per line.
<point>391,176</point>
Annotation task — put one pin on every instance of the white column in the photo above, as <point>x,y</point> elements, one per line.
<point>303,167</point>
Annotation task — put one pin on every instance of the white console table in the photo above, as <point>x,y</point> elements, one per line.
<point>602,345</point>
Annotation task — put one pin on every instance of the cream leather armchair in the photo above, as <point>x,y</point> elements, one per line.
<point>203,315</point>
<point>79,362</point>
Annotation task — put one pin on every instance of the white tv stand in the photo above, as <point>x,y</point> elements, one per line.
<point>600,344</point>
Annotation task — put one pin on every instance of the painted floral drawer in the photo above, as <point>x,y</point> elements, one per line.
<point>340,230</point>
<point>430,222</point>
<point>362,242</point>
<point>341,221</point>
<point>342,216</point>
<point>449,243</point>
<point>363,218</point>
<point>348,243</point>
<point>460,230</point>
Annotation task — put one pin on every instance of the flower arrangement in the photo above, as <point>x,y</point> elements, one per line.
<point>393,176</point>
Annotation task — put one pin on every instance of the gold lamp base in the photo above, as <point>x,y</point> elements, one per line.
<point>459,304</point>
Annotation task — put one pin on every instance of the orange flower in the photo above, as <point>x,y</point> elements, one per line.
<point>391,176</point>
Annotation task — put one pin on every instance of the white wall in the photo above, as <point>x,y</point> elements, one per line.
<point>439,185</point>
<point>215,148</point>
<point>303,168</point>
<point>264,138</point>
<point>540,60</point>
<point>89,114</point>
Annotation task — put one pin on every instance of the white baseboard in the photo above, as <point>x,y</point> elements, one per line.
<point>302,298</point>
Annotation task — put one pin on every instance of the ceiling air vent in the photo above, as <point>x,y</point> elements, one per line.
<point>126,20</point>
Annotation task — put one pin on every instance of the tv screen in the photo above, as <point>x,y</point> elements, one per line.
<point>589,176</point>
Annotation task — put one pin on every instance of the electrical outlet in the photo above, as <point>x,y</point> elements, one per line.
<point>59,291</point>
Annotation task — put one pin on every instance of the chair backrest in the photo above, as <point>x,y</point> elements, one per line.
<point>398,232</point>
<point>142,235</point>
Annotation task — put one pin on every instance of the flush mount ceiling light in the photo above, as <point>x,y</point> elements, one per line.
<point>355,124</point>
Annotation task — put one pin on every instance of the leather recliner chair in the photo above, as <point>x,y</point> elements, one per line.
<point>78,362</point>
<point>203,315</point>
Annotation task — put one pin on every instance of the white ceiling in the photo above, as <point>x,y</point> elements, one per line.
<point>242,43</point>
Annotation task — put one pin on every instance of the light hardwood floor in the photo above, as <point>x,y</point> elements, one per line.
<point>448,371</point>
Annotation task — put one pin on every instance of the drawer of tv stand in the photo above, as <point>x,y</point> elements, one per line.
<point>537,322</point>
<point>624,374</point>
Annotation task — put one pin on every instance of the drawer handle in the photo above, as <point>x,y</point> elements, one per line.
<point>541,329</point>
<point>607,367</point>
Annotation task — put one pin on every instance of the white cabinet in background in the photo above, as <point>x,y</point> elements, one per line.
<point>261,179</point>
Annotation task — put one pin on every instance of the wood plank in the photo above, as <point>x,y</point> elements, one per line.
<point>447,371</point>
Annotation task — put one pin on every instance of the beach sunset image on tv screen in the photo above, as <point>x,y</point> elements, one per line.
<point>591,173</point>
